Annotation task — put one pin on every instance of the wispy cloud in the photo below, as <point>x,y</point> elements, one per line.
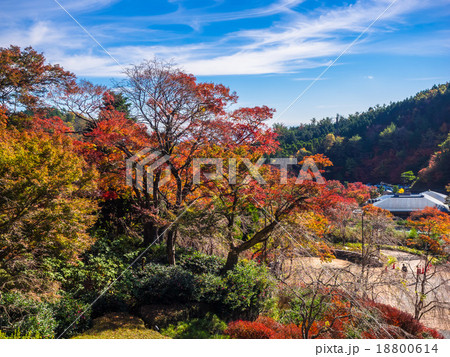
<point>309,79</point>
<point>14,10</point>
<point>293,41</point>
<point>197,18</point>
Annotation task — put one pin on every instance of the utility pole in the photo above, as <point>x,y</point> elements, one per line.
<point>363,252</point>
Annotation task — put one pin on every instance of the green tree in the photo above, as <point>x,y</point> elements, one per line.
<point>408,178</point>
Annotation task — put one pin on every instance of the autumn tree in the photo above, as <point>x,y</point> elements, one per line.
<point>318,305</point>
<point>360,192</point>
<point>84,100</point>
<point>376,229</point>
<point>183,120</point>
<point>26,80</point>
<point>433,234</point>
<point>338,204</point>
<point>253,206</point>
<point>181,116</point>
<point>45,205</point>
<point>438,170</point>
<point>173,115</point>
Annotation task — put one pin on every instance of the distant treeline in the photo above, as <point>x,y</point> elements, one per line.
<point>383,142</point>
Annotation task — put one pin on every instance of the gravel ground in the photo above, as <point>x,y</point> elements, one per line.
<point>392,286</point>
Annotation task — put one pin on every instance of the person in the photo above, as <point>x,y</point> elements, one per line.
<point>404,270</point>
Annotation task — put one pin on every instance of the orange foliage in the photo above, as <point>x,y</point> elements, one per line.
<point>433,227</point>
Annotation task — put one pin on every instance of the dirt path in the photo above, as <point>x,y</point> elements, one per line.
<point>391,286</point>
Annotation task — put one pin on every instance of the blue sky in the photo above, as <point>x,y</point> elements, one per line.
<point>267,51</point>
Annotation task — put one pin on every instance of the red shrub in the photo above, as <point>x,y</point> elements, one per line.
<point>396,317</point>
<point>369,335</point>
<point>337,330</point>
<point>432,333</point>
<point>248,330</point>
<point>290,331</point>
<point>269,323</point>
<point>263,327</point>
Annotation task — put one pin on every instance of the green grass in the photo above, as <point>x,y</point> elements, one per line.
<point>356,247</point>
<point>119,326</point>
<point>402,249</point>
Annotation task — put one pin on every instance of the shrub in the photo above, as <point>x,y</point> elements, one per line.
<point>290,331</point>
<point>86,281</point>
<point>270,323</point>
<point>263,328</point>
<point>430,333</point>
<point>293,306</point>
<point>18,336</point>
<point>164,284</point>
<point>97,269</point>
<point>157,254</point>
<point>25,316</point>
<point>243,292</point>
<point>208,327</point>
<point>404,321</point>
<point>210,289</point>
<point>111,301</point>
<point>248,290</point>
<point>201,263</point>
<point>396,317</point>
<point>66,312</point>
<point>249,330</point>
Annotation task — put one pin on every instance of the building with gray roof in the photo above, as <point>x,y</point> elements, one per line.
<point>405,204</point>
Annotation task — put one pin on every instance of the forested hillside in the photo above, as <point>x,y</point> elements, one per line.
<point>381,143</point>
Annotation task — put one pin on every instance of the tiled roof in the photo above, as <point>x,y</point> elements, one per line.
<point>412,202</point>
<point>439,196</point>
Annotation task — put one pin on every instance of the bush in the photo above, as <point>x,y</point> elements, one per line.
<point>263,328</point>
<point>112,301</point>
<point>18,336</point>
<point>248,290</point>
<point>25,316</point>
<point>164,284</point>
<point>208,327</point>
<point>210,289</point>
<point>66,312</point>
<point>157,254</point>
<point>431,333</point>
<point>243,292</point>
<point>249,330</point>
<point>294,306</point>
<point>201,263</point>
<point>97,269</point>
<point>404,321</point>
<point>86,281</point>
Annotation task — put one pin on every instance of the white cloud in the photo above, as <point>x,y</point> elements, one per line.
<point>199,17</point>
<point>309,79</point>
<point>34,9</point>
<point>297,41</point>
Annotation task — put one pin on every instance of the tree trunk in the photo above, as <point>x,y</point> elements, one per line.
<point>150,233</point>
<point>232,259</point>
<point>170,247</point>
<point>259,237</point>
